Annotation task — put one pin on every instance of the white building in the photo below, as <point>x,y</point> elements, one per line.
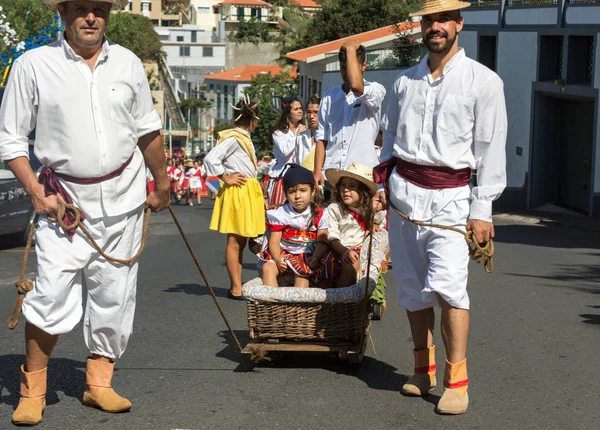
<point>314,61</point>
<point>206,16</point>
<point>231,12</point>
<point>548,56</point>
<point>227,88</point>
<point>307,6</point>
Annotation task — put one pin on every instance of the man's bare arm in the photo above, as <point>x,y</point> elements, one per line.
<point>154,156</point>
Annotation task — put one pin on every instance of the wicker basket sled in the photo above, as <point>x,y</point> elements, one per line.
<point>312,319</point>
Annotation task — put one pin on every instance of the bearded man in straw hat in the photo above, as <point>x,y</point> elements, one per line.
<point>446,118</point>
<point>96,127</point>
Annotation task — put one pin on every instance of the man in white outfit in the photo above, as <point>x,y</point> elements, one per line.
<point>446,118</point>
<point>349,116</point>
<point>96,129</point>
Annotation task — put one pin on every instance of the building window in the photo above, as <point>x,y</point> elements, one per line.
<point>202,10</point>
<point>180,38</point>
<point>240,13</point>
<point>207,51</point>
<point>319,88</point>
<point>193,36</point>
<point>147,7</point>
<point>256,13</point>
<point>184,51</point>
<point>164,37</point>
<point>301,83</point>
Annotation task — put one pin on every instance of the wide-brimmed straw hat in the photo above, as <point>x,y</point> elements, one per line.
<point>429,7</point>
<point>360,172</point>
<point>115,4</point>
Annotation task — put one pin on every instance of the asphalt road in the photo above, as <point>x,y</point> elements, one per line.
<point>533,352</point>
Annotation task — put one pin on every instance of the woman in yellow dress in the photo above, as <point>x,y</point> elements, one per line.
<point>239,210</point>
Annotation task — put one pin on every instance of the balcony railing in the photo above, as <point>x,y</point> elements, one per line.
<point>485,3</point>
<point>583,1</point>
<point>517,3</point>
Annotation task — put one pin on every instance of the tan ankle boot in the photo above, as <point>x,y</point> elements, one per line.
<point>423,381</point>
<point>455,399</point>
<point>99,375</point>
<point>33,398</point>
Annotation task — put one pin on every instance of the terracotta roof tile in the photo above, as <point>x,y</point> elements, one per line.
<point>335,45</point>
<point>306,3</point>
<point>246,73</point>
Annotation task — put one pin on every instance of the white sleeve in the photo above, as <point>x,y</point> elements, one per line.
<point>373,96</point>
<point>389,124</point>
<point>490,149</point>
<point>214,159</point>
<point>323,128</point>
<point>285,142</point>
<point>334,222</point>
<point>18,113</point>
<point>146,119</point>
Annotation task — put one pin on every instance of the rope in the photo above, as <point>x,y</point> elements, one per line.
<point>25,285</point>
<point>210,289</point>
<point>368,280</point>
<point>477,252</point>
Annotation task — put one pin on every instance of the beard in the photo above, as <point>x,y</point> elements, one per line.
<point>439,48</point>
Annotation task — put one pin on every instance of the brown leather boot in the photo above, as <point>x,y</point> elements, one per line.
<point>455,399</point>
<point>99,374</point>
<point>33,398</point>
<point>423,380</point>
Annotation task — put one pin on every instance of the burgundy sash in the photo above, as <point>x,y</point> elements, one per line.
<point>52,186</point>
<point>429,177</point>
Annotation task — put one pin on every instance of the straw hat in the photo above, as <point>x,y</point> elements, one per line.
<point>429,7</point>
<point>360,172</point>
<point>115,4</point>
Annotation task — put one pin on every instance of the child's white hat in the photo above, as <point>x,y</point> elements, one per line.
<point>360,172</point>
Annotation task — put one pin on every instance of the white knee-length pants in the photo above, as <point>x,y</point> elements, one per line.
<point>428,262</point>
<point>66,266</point>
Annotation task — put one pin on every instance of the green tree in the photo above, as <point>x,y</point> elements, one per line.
<point>292,37</point>
<point>263,90</point>
<point>343,18</point>
<point>136,33</point>
<point>26,17</point>
<point>251,31</point>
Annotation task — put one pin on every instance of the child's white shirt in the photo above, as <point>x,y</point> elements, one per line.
<point>286,216</point>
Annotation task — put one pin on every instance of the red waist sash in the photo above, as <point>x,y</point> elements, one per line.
<point>48,178</point>
<point>429,177</point>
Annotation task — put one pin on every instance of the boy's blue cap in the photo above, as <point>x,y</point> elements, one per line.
<point>296,174</point>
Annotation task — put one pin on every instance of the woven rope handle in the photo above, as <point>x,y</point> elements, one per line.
<point>479,253</point>
<point>25,285</point>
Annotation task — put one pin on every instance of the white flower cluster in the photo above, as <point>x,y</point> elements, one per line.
<point>8,36</point>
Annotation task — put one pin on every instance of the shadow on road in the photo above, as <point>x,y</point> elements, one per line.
<point>67,376</point>
<point>196,289</point>
<point>593,319</point>
<point>572,276</point>
<point>550,236</point>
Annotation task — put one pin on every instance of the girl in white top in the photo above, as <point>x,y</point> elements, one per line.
<point>349,218</point>
<point>239,210</point>
<point>283,137</point>
<point>305,144</point>
<point>298,232</point>
<point>196,186</point>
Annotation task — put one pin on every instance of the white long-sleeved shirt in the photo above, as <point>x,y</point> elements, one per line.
<point>457,120</point>
<point>284,150</point>
<point>229,157</point>
<point>87,123</point>
<point>350,125</point>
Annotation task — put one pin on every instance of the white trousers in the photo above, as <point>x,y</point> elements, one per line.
<point>430,261</point>
<point>65,266</point>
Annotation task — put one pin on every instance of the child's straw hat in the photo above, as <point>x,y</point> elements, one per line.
<point>360,172</point>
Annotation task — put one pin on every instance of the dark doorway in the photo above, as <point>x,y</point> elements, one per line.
<point>563,144</point>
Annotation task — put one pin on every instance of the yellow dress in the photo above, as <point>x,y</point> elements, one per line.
<point>239,210</point>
